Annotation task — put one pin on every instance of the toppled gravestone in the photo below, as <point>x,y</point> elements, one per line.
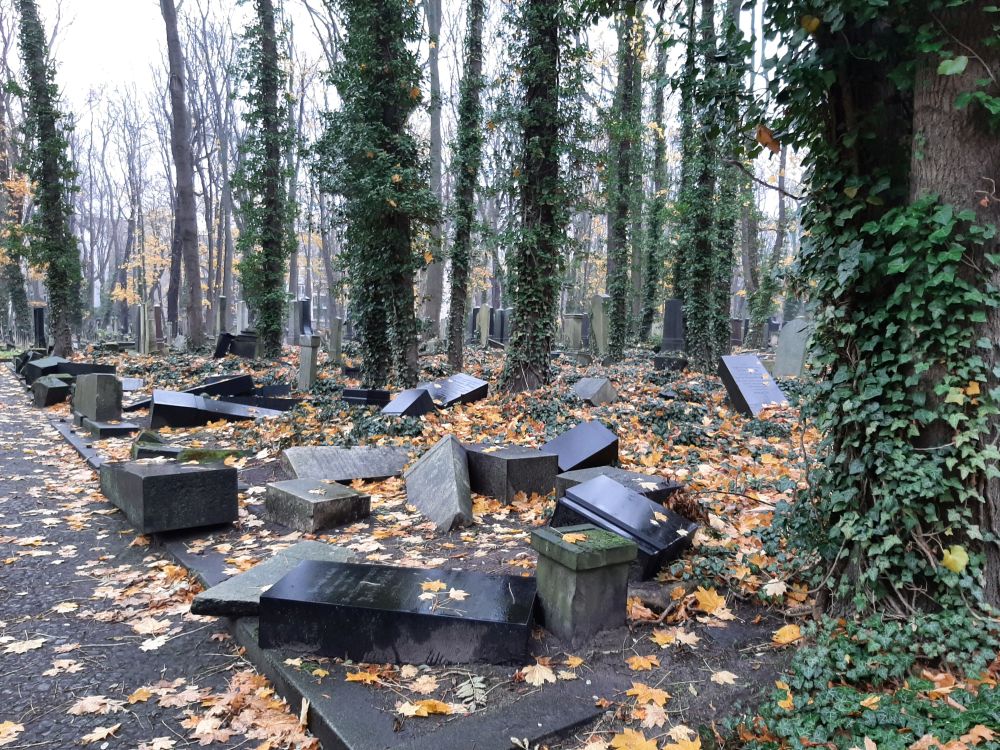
<point>595,391</point>
<point>49,390</point>
<point>98,397</point>
<point>343,464</point>
<point>585,445</point>
<point>313,505</point>
<point>501,471</point>
<point>438,485</point>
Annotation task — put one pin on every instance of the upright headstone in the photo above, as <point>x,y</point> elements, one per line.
<point>158,327</point>
<point>308,359</point>
<point>438,485</point>
<point>473,323</point>
<point>599,324</point>
<point>98,397</point>
<point>506,319</point>
<point>673,326</point>
<point>485,322</point>
<point>221,313</point>
<point>141,326</point>
<point>735,332</point>
<point>749,385</point>
<point>793,345</point>
<point>573,331</point>
<point>242,316</point>
<point>305,317</point>
<point>38,318</point>
<point>335,344</point>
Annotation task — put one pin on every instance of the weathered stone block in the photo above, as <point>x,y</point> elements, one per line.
<point>49,390</point>
<point>98,397</point>
<point>34,369</point>
<point>438,485</point>
<point>312,505</point>
<point>501,471</point>
<point>343,464</point>
<point>595,391</point>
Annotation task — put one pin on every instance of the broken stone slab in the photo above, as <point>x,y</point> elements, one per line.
<point>174,409</point>
<point>501,471</point>
<point>459,388</point>
<point>313,505</point>
<point>344,464</point>
<point>132,384</point>
<point>159,496</point>
<point>98,397</point>
<point>595,391</point>
<point>35,368</point>
<point>410,403</point>
<point>103,430</point>
<point>656,489</point>
<point>365,396</point>
<point>587,444</point>
<point>216,385</point>
<point>24,357</point>
<point>264,402</point>
<point>49,390</point>
<point>438,485</point>
<point>240,595</point>
<point>76,369</point>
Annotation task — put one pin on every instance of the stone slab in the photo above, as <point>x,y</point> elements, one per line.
<point>365,396</point>
<point>501,471</point>
<point>749,385</point>
<point>585,445</point>
<point>272,403</point>
<point>793,346</point>
<point>161,496</point>
<point>313,505</point>
<point>656,489</point>
<point>35,368</point>
<point>174,409</point>
<point>673,326</point>
<point>669,363</point>
<point>600,548</point>
<point>410,403</point>
<point>216,385</point>
<point>380,614</point>
<point>104,430</point>
<point>49,390</point>
<point>438,485</point>
<point>98,397</point>
<point>132,384</point>
<point>76,369</point>
<point>458,389</point>
<point>595,391</point>
<point>344,464</point>
<point>239,596</point>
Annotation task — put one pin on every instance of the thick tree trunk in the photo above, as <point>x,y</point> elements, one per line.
<point>654,254</point>
<point>434,275</point>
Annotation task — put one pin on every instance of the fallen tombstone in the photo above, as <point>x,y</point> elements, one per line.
<point>438,485</point>
<point>132,384</point>
<point>595,391</point>
<point>159,496</point>
<point>582,579</point>
<point>101,430</point>
<point>586,445</point>
<point>313,505</point>
<point>240,595</point>
<point>275,390</point>
<point>244,345</point>
<point>656,489</point>
<point>660,534</point>
<point>380,614</point>
<point>365,396</point>
<point>749,385</point>
<point>264,402</point>
<point>458,389</point>
<point>35,368</point>
<point>76,369</point>
<point>23,358</point>
<point>173,409</point>
<point>343,464</point>
<point>501,471</point>
<point>670,363</point>
<point>49,390</point>
<point>410,403</point>
<point>217,385</point>
<point>222,345</point>
<point>98,397</point>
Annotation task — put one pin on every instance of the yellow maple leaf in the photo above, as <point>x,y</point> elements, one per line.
<point>538,675</point>
<point>101,733</point>
<point>787,634</point>
<point>574,538</point>
<point>662,638</point>
<point>708,600</point>
<point>642,663</point>
<point>141,695</point>
<point>435,707</point>
<point>645,694</point>
<point>366,677</point>
<point>433,585</point>
<point>787,702</point>
<point>630,739</point>
<point>410,709</point>
<point>573,661</point>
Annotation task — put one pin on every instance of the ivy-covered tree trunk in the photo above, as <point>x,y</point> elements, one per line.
<point>534,268</point>
<point>655,255</point>
<point>468,159</point>
<point>12,191</point>
<point>185,239</point>
<point>51,244</point>
<point>267,238</point>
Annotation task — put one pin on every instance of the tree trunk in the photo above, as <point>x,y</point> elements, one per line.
<point>434,275</point>
<point>654,254</point>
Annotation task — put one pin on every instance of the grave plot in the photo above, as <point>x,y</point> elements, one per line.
<point>586,445</point>
<point>501,471</point>
<point>749,385</point>
<point>343,464</point>
<point>382,614</point>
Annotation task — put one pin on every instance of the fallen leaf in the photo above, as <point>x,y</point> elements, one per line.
<point>424,685</point>
<point>141,695</point>
<point>22,647</point>
<point>538,675</point>
<point>433,585</point>
<point>573,661</point>
<point>95,704</point>
<point>708,600</point>
<point>64,607</point>
<point>366,677</point>
<point>645,694</point>
<point>655,717</point>
<point>9,731</point>
<point>787,634</point>
<point>871,701</point>
<point>724,678</point>
<point>642,663</point>
<point>435,707</point>
<point>458,595</point>
<point>574,538</point>
<point>101,733</point>
<point>630,739</point>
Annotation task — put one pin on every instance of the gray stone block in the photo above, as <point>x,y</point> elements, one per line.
<point>312,505</point>
<point>793,347</point>
<point>166,496</point>
<point>98,397</point>
<point>656,489</point>
<point>105,430</point>
<point>501,471</point>
<point>343,464</point>
<point>438,485</point>
<point>595,391</point>
<point>240,595</point>
<point>49,390</point>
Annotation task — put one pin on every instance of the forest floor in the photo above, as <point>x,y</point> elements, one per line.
<point>704,642</point>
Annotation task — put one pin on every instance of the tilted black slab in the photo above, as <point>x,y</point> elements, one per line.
<point>264,402</point>
<point>410,403</point>
<point>660,534</point>
<point>275,390</point>
<point>749,384</point>
<point>173,409</point>
<point>222,345</point>
<point>105,430</point>
<point>366,396</point>
<point>23,358</point>
<point>216,385</point>
<point>48,391</point>
<point>586,445</point>
<point>373,613</point>
<point>458,389</point>
<point>35,368</point>
<point>656,489</point>
<point>244,345</point>
<point>85,368</point>
<point>501,471</point>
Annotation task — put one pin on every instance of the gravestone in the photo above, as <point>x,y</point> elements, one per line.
<point>670,363</point>
<point>749,385</point>
<point>599,324</point>
<point>158,333</point>
<point>35,368</point>
<point>223,344</point>
<point>380,614</point>
<point>336,341</point>
<point>585,337</point>
<point>595,391</point>
<point>673,326</point>
<point>38,320</point>
<point>221,314</point>
<point>438,485</point>
<point>660,534</point>
<point>245,344</point>
<point>242,316</point>
<point>736,330</point>
<point>305,317</point>
<point>582,583</point>
<point>216,385</point>
<point>365,396</point>
<point>501,471</point>
<point>273,403</point>
<point>104,430</point>
<point>485,323</point>
<point>24,358</point>
<point>49,390</point>
<point>308,352</point>
<point>506,321</point>
<point>773,329</point>
<point>173,409</point>
<point>159,496</point>
<point>410,403</point>
<point>459,388</point>
<point>656,489</point>
<point>313,505</point>
<point>239,596</point>
<point>473,323</point>
<point>343,464</point>
<point>83,368</point>
<point>793,346</point>
<point>98,397</point>
<point>587,444</point>
<point>132,384</point>
<point>573,331</point>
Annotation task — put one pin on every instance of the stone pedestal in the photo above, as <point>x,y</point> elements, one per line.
<point>582,584</point>
<point>308,355</point>
<point>98,397</point>
<point>313,505</point>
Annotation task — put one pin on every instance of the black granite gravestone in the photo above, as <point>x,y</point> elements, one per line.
<point>244,345</point>
<point>264,402</point>
<point>223,344</point>
<point>77,369</point>
<point>735,332</point>
<point>660,534</point>
<point>38,318</point>
<point>410,403</point>
<point>673,326</point>
<point>501,471</point>
<point>588,444</point>
<point>458,389</point>
<point>35,368</point>
<point>380,614</point>
<point>271,391</point>
<point>49,390</point>
<point>23,358</point>
<point>173,409</point>
<point>305,317</point>
<point>656,489</point>
<point>749,385</point>
<point>216,385</point>
<point>365,396</point>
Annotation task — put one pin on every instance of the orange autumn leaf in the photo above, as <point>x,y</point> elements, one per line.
<point>642,663</point>
<point>787,634</point>
<point>645,694</point>
<point>366,677</point>
<point>708,600</point>
<point>630,739</point>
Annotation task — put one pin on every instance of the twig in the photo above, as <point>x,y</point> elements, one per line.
<point>742,167</point>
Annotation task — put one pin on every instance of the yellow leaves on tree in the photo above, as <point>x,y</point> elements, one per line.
<point>765,137</point>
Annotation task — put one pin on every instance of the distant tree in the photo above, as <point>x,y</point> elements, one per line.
<point>468,158</point>
<point>267,237</point>
<point>51,244</point>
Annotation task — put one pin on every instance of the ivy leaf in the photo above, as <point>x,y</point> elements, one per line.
<point>953,67</point>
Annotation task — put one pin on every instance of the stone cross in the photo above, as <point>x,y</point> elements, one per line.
<point>308,356</point>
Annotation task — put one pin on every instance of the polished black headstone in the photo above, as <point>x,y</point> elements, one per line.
<point>173,409</point>
<point>305,317</point>
<point>588,444</point>
<point>264,402</point>
<point>216,385</point>
<point>273,391</point>
<point>673,326</point>
<point>85,368</point>
<point>501,471</point>
<point>38,318</point>
<point>749,384</point>
<point>244,345</point>
<point>35,368</point>
<point>458,389</point>
<point>366,396</point>
<point>222,345</point>
<point>660,534</point>
<point>410,403</point>
<point>380,614</point>
<point>656,489</point>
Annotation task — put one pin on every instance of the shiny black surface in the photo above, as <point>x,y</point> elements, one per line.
<point>586,445</point>
<point>749,384</point>
<point>459,388</point>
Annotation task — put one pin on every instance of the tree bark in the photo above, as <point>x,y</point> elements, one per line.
<point>434,274</point>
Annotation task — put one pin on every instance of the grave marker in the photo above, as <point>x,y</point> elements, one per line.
<point>459,388</point>
<point>365,396</point>
<point>673,326</point>
<point>485,324</point>
<point>410,403</point>
<point>308,352</point>
<point>595,391</point>
<point>49,390</point>
<point>35,368</point>
<point>98,397</point>
<point>793,346</point>
<point>599,324</point>
<point>173,409</point>
<point>343,464</point>
<point>313,505</point>
<point>749,385</point>
<point>656,489</point>
<point>573,331</point>
<point>587,444</point>
<point>501,471</point>
<point>38,320</point>
<point>438,485</point>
